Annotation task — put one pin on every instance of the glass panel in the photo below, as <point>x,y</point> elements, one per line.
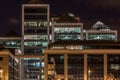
<point>101,36</point>
<point>35,24</point>
<point>12,44</point>
<point>35,10</point>
<point>36,37</point>
<point>114,66</point>
<point>35,17</point>
<point>67,30</point>
<point>95,67</point>
<point>40,24</point>
<point>33,50</point>
<point>67,37</point>
<point>56,67</point>
<point>31,68</point>
<point>30,24</point>
<point>42,68</point>
<point>36,43</point>
<point>75,67</point>
<point>36,30</point>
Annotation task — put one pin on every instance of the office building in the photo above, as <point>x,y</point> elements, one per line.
<point>83,60</point>
<point>8,64</point>
<point>67,27</point>
<point>100,31</point>
<point>11,42</point>
<point>35,28</point>
<point>74,53</point>
<point>35,38</point>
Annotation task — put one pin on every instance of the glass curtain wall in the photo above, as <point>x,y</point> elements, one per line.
<point>95,67</point>
<point>67,33</point>
<point>11,43</point>
<point>75,67</point>
<point>33,68</point>
<point>101,36</point>
<point>55,67</point>
<point>35,29</point>
<point>113,68</point>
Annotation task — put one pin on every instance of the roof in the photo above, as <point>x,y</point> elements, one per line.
<point>100,26</point>
<point>67,17</point>
<point>87,42</point>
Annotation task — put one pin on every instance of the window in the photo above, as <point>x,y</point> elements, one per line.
<point>1,58</point>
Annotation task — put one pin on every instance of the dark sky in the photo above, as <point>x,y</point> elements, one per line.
<point>107,11</point>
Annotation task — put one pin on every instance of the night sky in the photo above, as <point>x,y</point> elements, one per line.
<point>89,11</point>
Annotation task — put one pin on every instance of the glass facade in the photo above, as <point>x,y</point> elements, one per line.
<point>67,30</point>
<point>35,24</point>
<point>101,36</point>
<point>35,39</point>
<point>67,37</point>
<point>35,29</point>
<point>8,66</point>
<point>95,67</point>
<point>13,69</point>
<point>36,47</point>
<point>33,68</point>
<point>83,47</point>
<point>55,67</point>
<point>113,68</point>
<point>67,33</point>
<point>11,43</point>
<point>75,67</point>
<point>72,65</point>
<point>37,35</point>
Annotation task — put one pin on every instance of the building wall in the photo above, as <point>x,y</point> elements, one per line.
<point>35,38</point>
<point>8,65</point>
<point>66,30</point>
<point>11,42</point>
<point>35,28</point>
<point>101,35</point>
<point>90,64</point>
<point>4,66</point>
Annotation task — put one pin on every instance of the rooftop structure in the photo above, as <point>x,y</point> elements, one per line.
<point>100,26</point>
<point>100,31</point>
<point>66,27</point>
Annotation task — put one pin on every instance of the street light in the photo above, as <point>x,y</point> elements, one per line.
<point>1,71</point>
<point>89,72</point>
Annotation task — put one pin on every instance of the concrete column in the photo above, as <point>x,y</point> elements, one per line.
<point>46,66</point>
<point>105,66</point>
<point>65,67</point>
<point>40,68</point>
<point>48,26</point>
<point>85,67</point>
<point>22,40</point>
<point>19,61</point>
<point>82,31</point>
<point>53,33</point>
